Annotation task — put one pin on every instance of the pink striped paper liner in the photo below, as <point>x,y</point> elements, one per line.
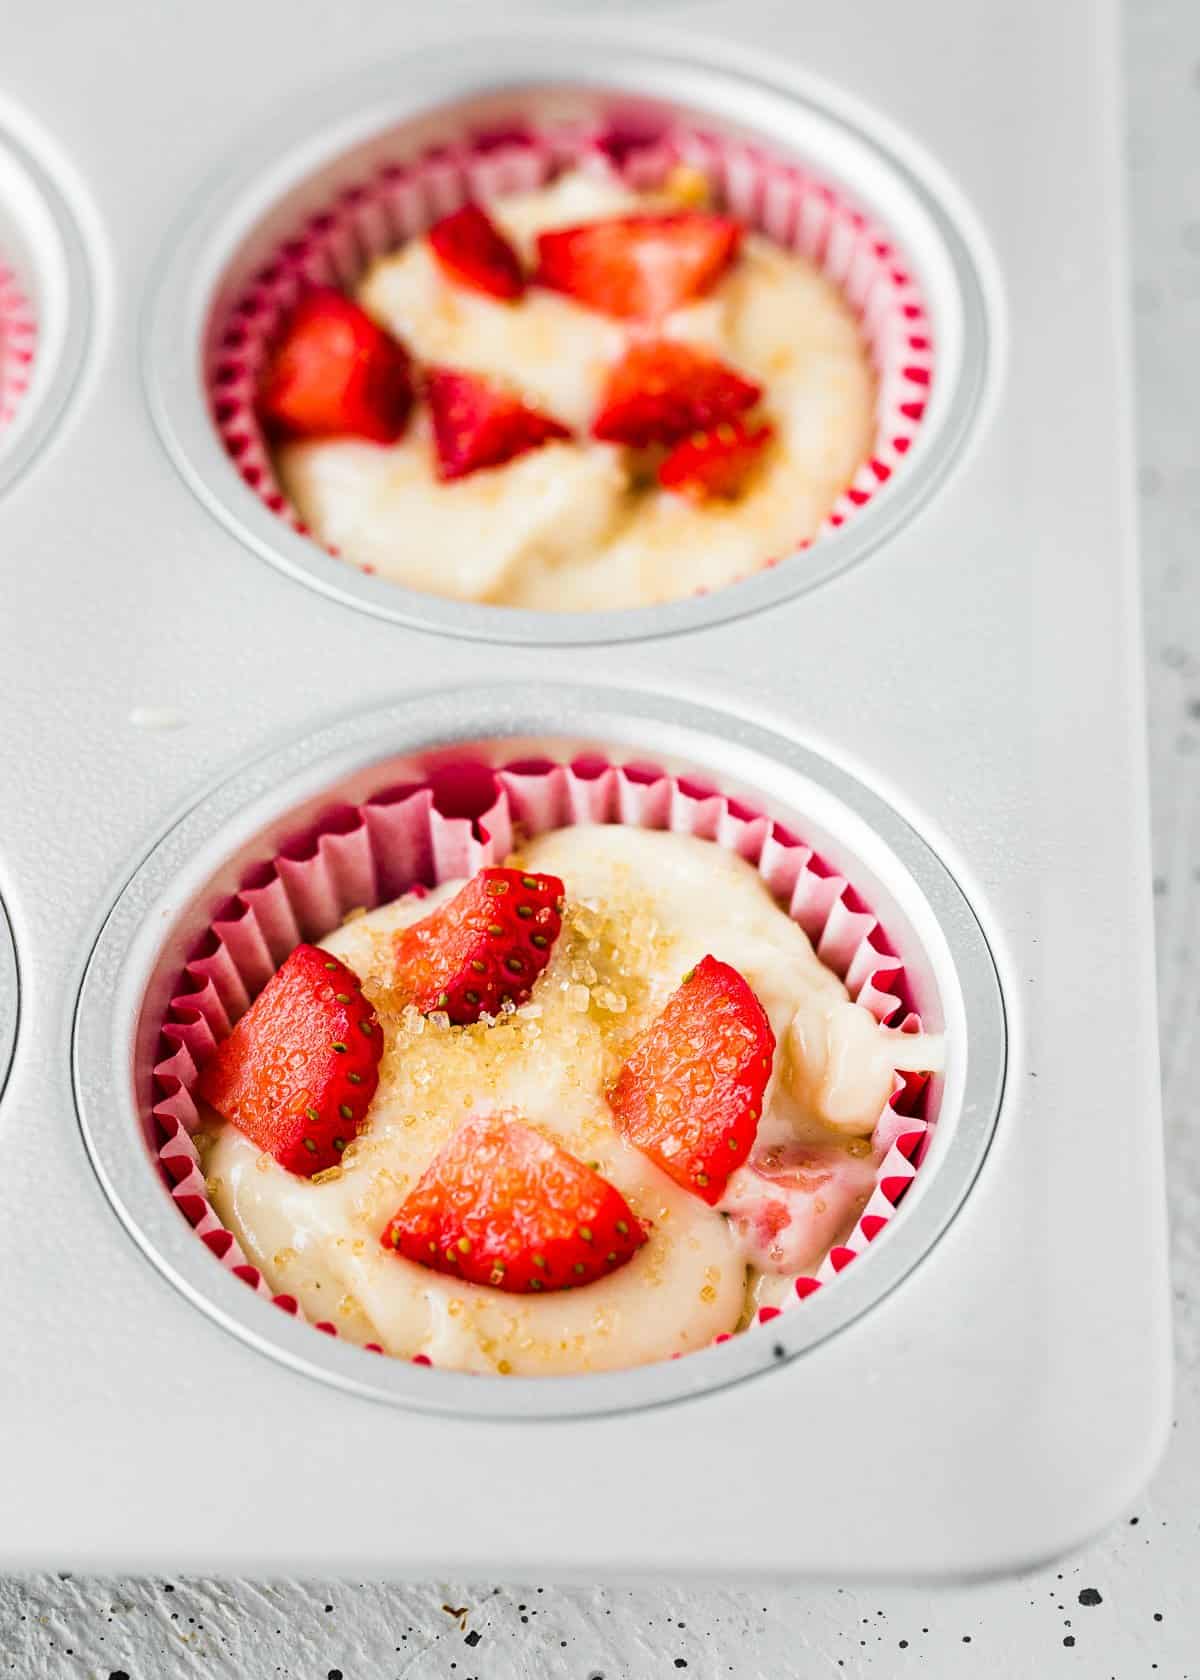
<point>800,212</point>
<point>18,342</point>
<point>464,818</point>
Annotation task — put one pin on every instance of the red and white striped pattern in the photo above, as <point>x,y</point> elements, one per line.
<point>18,344</point>
<point>789,205</point>
<point>402,837</point>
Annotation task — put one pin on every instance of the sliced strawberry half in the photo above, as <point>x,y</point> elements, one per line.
<point>501,1205</point>
<point>714,463</point>
<point>483,949</point>
<point>691,1094</point>
<point>335,373</point>
<point>661,391</point>
<point>477,424</point>
<point>638,267</point>
<point>298,1071</point>
<point>472,250</point>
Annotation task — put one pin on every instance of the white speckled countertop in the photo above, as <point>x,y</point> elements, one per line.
<point>1125,1608</point>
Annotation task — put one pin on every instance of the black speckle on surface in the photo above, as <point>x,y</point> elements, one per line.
<point>334,1674</point>
<point>117,1674</point>
<point>1069,1639</point>
<point>966,1638</point>
<point>1090,1596</point>
<point>904,1644</point>
<point>777,1350</point>
<point>680,1662</point>
<point>472,1638</point>
<point>1158,1615</point>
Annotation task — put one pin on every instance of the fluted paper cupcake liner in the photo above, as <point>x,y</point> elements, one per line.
<point>464,818</point>
<point>788,204</point>
<point>18,341</point>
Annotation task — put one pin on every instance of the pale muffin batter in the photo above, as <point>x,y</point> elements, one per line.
<point>575,525</point>
<point>642,908</point>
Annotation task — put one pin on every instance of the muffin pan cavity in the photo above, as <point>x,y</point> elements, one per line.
<point>238,873</point>
<point>10,997</point>
<point>374,163</point>
<point>44,304</point>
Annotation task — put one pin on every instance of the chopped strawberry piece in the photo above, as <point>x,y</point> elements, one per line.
<point>483,949</point>
<point>336,374</point>
<point>298,1071</point>
<point>662,391</point>
<point>714,463</point>
<point>691,1094</point>
<point>473,251</point>
<point>476,424</point>
<point>501,1205</point>
<point>793,1200</point>
<point>638,267</point>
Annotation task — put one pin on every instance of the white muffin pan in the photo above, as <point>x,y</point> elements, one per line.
<point>958,720</point>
